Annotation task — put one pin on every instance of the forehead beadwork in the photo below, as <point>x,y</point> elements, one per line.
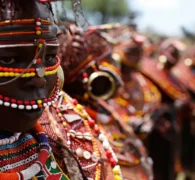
<point>26,26</point>
<point>19,23</point>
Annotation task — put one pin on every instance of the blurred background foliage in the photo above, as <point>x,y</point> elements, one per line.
<point>111,11</point>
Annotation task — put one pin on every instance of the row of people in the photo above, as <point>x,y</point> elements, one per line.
<point>82,105</point>
<point>147,96</point>
<point>46,134</point>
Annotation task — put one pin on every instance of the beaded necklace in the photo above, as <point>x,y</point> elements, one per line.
<point>90,123</point>
<point>31,104</point>
<point>83,144</point>
<point>125,141</point>
<point>26,159</point>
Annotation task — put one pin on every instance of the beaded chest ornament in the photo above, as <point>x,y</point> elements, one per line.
<point>39,162</point>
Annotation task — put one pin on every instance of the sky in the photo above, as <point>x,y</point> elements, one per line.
<point>165,16</point>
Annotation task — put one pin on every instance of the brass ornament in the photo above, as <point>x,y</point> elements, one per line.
<point>110,90</point>
<point>60,74</point>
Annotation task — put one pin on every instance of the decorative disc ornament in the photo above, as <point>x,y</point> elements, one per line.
<point>40,71</point>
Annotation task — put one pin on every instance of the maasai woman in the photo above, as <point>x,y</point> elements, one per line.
<point>184,71</point>
<point>139,95</point>
<point>91,85</point>
<point>28,83</point>
<point>164,140</point>
<point>68,122</point>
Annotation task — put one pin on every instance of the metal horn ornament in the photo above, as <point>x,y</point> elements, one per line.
<point>97,89</point>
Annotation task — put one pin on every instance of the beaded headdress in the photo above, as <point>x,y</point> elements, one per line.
<point>29,23</point>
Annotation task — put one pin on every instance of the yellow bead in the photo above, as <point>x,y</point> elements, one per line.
<point>32,74</point>
<point>117,177</point>
<point>11,74</point>
<point>27,74</point>
<point>116,170</point>
<point>40,45</point>
<point>34,178</point>
<point>79,107</point>
<point>64,124</point>
<point>6,74</point>
<point>23,75</point>
<point>86,96</point>
<point>85,115</point>
<point>17,74</point>
<point>39,102</point>
<point>38,33</point>
<point>1,74</point>
<point>59,114</point>
<point>93,66</point>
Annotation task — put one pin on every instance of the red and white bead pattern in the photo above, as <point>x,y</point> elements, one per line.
<point>30,104</point>
<point>106,145</point>
<point>10,140</point>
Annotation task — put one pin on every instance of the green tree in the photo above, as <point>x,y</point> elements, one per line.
<point>99,11</point>
<point>104,11</point>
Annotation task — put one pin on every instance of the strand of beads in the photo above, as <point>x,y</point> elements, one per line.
<point>32,104</point>
<point>106,145</point>
<point>87,152</point>
<point>38,29</point>
<point>38,164</point>
<point>15,72</point>
<point>38,21</point>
